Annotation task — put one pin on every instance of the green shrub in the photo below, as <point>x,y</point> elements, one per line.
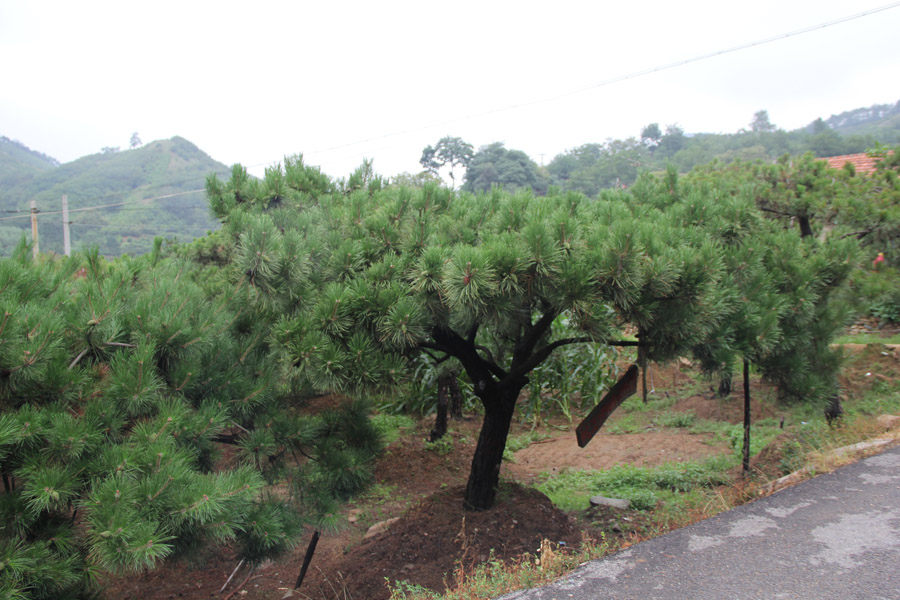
<point>676,419</point>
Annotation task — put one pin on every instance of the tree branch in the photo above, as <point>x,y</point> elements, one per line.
<point>525,347</point>
<point>777,212</point>
<point>478,367</point>
<point>858,234</point>
<point>473,331</point>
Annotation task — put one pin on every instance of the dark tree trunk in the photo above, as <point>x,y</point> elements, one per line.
<point>724,385</point>
<point>455,398</point>
<point>805,226</point>
<point>833,410</point>
<point>440,419</point>
<point>484,476</point>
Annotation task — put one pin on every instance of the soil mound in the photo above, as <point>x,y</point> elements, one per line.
<point>437,536</point>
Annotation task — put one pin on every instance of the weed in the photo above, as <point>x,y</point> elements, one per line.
<point>442,446</point>
<point>514,443</point>
<point>496,577</point>
<point>392,427</point>
<point>868,338</point>
<point>675,419</point>
<point>645,487</point>
<point>762,433</point>
<point>627,423</point>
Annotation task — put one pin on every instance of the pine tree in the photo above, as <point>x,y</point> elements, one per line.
<point>119,383</point>
<point>482,279</point>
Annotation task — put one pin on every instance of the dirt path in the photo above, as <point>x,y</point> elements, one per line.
<point>607,450</point>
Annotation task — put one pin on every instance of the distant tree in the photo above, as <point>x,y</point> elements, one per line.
<point>593,167</point>
<point>449,152</point>
<point>673,141</point>
<point>136,140</point>
<point>651,135</point>
<point>109,149</point>
<point>416,180</point>
<point>761,123</point>
<point>825,141</point>
<point>496,165</point>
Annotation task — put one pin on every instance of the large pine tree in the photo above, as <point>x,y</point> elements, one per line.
<point>392,272</point>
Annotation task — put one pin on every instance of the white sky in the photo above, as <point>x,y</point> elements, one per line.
<point>250,82</point>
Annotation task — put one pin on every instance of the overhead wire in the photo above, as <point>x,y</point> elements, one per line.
<point>605,82</point>
<point>101,206</point>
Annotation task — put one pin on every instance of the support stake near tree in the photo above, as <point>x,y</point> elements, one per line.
<point>745,466</point>
<point>310,550</point>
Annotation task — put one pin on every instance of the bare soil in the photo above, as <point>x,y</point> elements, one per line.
<point>433,537</point>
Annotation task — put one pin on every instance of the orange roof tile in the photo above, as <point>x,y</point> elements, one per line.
<point>863,163</point>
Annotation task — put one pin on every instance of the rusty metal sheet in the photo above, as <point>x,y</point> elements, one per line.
<point>625,387</point>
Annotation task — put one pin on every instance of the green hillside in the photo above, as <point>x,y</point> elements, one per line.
<point>592,167</point>
<point>154,190</point>
<point>19,164</point>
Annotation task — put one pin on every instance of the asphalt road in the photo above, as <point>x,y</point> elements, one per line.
<point>834,536</point>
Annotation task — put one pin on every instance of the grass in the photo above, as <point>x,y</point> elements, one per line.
<point>645,487</point>
<point>868,338</point>
<point>682,420</point>
<point>392,427</point>
<point>514,443</point>
<point>494,578</point>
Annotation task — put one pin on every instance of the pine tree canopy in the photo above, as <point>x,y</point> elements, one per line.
<point>119,385</point>
<point>360,279</point>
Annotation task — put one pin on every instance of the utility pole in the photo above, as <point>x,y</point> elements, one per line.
<point>67,245</point>
<point>34,229</point>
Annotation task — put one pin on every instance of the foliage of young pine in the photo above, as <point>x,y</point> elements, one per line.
<point>118,385</point>
<point>779,305</point>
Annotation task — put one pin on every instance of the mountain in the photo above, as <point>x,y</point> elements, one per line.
<point>878,118</point>
<point>18,163</point>
<point>118,201</point>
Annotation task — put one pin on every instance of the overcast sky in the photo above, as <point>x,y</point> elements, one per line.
<point>251,82</point>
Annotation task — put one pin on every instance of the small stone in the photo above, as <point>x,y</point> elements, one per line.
<point>379,528</point>
<point>887,422</point>
<point>613,502</point>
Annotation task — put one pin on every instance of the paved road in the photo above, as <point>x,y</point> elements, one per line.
<point>834,536</point>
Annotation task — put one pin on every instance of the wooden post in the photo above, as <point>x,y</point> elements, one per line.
<point>67,245</point>
<point>34,230</point>
<point>625,387</point>
<point>745,466</point>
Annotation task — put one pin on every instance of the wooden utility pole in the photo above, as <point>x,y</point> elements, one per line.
<point>67,245</point>
<point>34,229</point>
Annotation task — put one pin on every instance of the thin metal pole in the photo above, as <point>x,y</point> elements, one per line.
<point>746,462</point>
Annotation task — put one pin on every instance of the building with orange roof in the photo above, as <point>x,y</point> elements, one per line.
<point>862,163</point>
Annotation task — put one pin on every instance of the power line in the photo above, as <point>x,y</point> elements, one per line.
<point>126,202</point>
<point>606,82</point>
<point>144,227</point>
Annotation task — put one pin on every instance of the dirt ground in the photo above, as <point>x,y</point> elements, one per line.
<point>423,490</point>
